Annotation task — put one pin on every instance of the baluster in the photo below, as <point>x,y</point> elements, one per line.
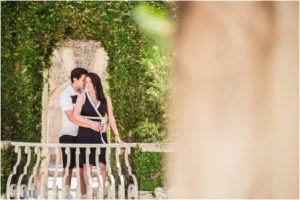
<point>55,192</point>
<point>43,186</point>
<point>31,188</point>
<point>9,188</point>
<point>13,190</point>
<point>100,189</point>
<point>121,188</point>
<point>111,185</point>
<point>24,191</point>
<point>78,191</point>
<point>65,187</point>
<point>132,188</point>
<point>109,130</point>
<point>90,186</point>
<point>19,192</point>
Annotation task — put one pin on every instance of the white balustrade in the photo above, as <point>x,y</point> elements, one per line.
<point>42,151</point>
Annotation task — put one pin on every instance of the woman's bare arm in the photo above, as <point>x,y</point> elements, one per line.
<point>112,120</point>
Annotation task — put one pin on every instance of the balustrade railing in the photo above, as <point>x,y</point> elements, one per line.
<point>28,190</point>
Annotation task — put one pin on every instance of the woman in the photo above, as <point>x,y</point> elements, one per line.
<point>90,105</point>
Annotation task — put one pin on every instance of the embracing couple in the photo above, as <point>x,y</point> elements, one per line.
<point>84,107</point>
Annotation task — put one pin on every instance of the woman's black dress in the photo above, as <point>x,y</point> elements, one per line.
<point>89,136</point>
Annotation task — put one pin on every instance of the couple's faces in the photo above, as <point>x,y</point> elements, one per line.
<point>85,83</point>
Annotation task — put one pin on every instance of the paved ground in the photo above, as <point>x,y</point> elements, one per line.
<point>142,194</point>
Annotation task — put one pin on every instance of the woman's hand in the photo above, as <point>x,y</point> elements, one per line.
<point>118,139</point>
<point>104,127</point>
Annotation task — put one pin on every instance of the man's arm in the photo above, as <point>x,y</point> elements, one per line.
<point>67,107</point>
<point>69,114</point>
<point>93,125</point>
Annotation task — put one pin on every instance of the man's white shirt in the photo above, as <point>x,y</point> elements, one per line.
<point>67,102</point>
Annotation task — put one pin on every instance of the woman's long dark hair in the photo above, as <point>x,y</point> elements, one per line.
<point>96,81</point>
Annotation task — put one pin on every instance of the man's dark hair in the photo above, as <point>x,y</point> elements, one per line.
<point>77,72</point>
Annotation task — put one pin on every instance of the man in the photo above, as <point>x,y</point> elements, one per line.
<point>68,132</point>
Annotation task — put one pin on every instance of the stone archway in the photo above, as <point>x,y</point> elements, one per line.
<point>72,53</point>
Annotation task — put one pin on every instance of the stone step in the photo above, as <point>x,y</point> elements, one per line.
<point>73,183</point>
<point>141,195</point>
<point>51,171</point>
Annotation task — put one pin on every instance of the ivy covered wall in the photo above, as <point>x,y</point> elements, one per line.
<point>137,72</point>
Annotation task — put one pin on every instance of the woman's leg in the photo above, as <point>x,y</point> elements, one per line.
<point>82,182</point>
<point>85,176</point>
<point>103,172</point>
<point>69,177</point>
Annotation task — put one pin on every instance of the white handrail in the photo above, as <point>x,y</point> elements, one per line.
<point>32,144</point>
<point>146,147</point>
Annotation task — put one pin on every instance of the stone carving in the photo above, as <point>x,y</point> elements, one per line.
<point>58,72</point>
<point>85,56</point>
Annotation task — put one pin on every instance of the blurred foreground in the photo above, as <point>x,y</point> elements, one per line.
<point>236,100</point>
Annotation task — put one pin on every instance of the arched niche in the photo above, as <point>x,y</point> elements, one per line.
<point>66,56</point>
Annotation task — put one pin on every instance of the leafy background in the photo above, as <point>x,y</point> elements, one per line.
<point>138,71</point>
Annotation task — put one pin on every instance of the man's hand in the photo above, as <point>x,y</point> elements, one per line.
<point>96,126</point>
